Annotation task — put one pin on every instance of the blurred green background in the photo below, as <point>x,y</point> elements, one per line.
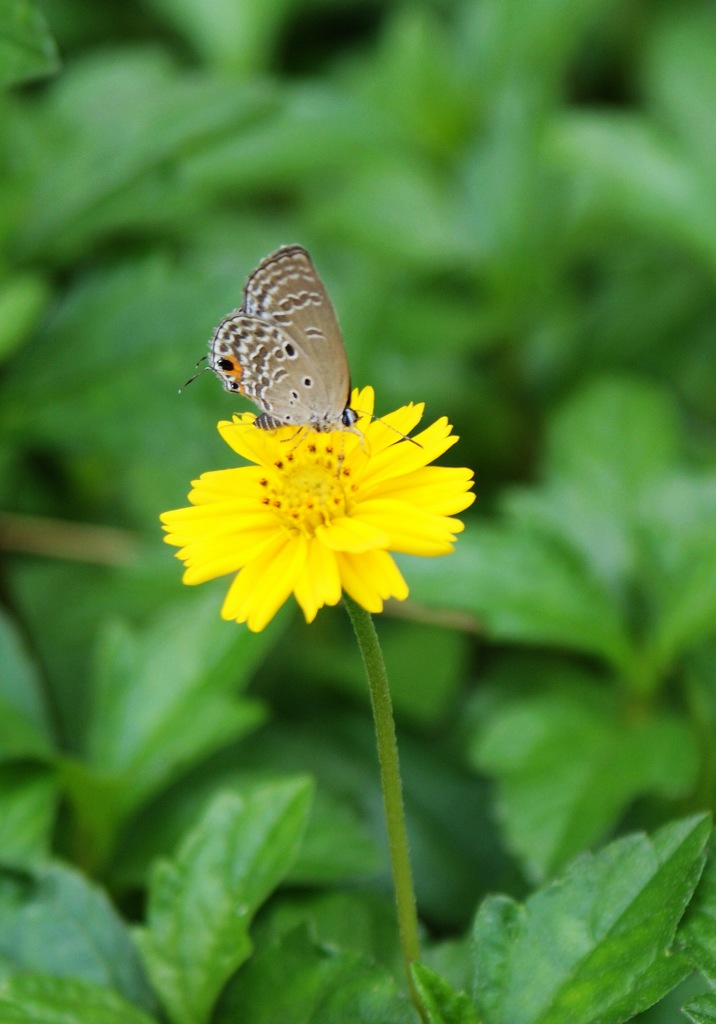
<point>513,208</point>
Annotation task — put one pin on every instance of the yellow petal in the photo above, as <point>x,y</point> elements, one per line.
<point>265,583</point>
<point>248,441</point>
<point>215,535</point>
<point>411,530</point>
<point>439,489</point>
<point>320,582</point>
<point>207,517</point>
<point>203,563</point>
<point>406,457</point>
<point>348,534</point>
<point>239,484</point>
<point>371,578</point>
<point>386,431</point>
<point>388,577</point>
<point>363,401</point>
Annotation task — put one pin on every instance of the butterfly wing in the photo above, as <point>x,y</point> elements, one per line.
<point>287,290</point>
<point>283,349</point>
<point>260,360</point>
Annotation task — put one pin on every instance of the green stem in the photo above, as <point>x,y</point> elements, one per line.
<point>392,789</point>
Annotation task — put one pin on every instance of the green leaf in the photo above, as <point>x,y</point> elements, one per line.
<point>452,843</point>
<point>698,933</point>
<point>678,515</point>
<point>498,926</point>
<point>422,697</point>
<point>28,804</point>
<point>525,588</point>
<point>702,1010</point>
<point>165,699</point>
<point>168,697</point>
<point>97,802</point>
<point>337,847</point>
<point>632,172</point>
<point>20,738</point>
<point>595,945</point>
<point>415,80</point>
<point>24,722</point>
<point>569,763</point>
<point>613,492</point>
<point>43,999</point>
<point>53,921</point>
<point>300,982</point>
<point>612,439</point>
<point>127,118</point>
<point>373,209</point>
<point>237,38</point>
<point>452,960</point>
<point>571,516</point>
<point>201,903</point>
<point>443,1004</point>
<point>268,151</point>
<point>680,77</point>
<point>151,300</point>
<point>27,50</point>
<point>688,609</point>
<point>356,920</point>
<point>23,298</point>
<point>606,448</point>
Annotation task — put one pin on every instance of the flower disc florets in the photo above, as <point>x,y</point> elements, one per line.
<point>311,490</point>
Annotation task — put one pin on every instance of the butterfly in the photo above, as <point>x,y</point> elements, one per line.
<point>283,347</point>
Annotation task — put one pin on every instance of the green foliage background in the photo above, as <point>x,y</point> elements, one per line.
<point>512,206</point>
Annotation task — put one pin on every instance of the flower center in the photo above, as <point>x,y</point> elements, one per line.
<point>310,487</point>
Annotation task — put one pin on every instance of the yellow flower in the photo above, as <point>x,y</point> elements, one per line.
<point>317,514</point>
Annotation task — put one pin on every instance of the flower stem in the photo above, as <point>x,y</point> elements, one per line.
<point>392,788</point>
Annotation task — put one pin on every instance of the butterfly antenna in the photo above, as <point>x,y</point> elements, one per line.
<point>395,430</point>
<point>197,374</point>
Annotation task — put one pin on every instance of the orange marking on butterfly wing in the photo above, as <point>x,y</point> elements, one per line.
<point>234,370</point>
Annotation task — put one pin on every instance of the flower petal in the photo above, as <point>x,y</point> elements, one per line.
<point>363,401</point>
<point>412,530</point>
<point>371,578</point>
<point>347,534</point>
<point>243,483</point>
<point>405,457</point>
<point>320,582</point>
<point>386,431</point>
<point>439,489</point>
<point>252,443</point>
<point>265,583</point>
<point>209,537</point>
<point>206,562</point>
